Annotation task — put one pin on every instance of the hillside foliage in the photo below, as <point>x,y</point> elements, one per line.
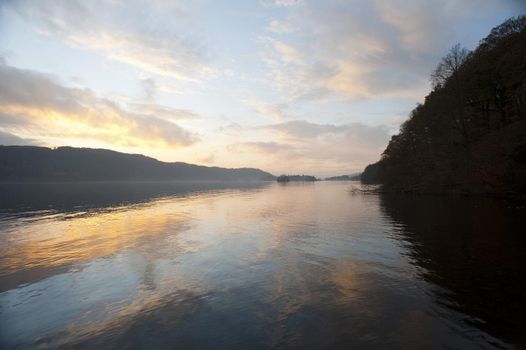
<point>469,136</point>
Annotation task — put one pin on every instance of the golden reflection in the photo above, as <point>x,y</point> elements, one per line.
<point>67,239</point>
<point>243,227</point>
<point>116,319</point>
<point>350,278</point>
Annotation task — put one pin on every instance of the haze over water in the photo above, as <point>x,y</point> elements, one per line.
<point>248,266</point>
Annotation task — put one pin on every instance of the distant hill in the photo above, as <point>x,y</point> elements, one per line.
<point>305,178</point>
<point>29,163</point>
<point>470,134</point>
<point>352,177</point>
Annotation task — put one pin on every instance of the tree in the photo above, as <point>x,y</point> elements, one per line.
<point>283,178</point>
<point>468,135</point>
<point>511,26</point>
<point>449,65</point>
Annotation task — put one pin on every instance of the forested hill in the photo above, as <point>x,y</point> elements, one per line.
<point>28,163</point>
<point>470,134</point>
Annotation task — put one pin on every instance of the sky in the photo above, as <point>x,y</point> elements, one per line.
<point>288,86</point>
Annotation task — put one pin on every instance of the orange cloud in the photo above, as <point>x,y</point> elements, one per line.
<point>36,105</point>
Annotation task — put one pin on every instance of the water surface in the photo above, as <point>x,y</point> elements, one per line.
<point>248,266</point>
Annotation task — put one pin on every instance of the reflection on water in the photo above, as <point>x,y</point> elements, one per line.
<point>257,266</point>
<point>24,198</point>
<point>473,250</point>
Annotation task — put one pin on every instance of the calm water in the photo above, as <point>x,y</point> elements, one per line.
<point>219,266</point>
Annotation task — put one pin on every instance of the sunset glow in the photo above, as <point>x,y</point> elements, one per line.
<point>285,86</point>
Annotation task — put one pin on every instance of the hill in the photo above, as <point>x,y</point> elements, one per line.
<point>352,177</point>
<point>30,163</point>
<point>297,178</point>
<point>470,134</point>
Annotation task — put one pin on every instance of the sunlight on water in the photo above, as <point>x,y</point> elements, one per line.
<point>297,265</point>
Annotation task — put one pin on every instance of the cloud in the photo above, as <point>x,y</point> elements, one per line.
<point>365,49</point>
<point>287,53</point>
<point>32,103</point>
<point>355,134</point>
<point>415,22</point>
<point>262,147</point>
<point>272,156</point>
<point>303,129</point>
<point>349,50</point>
<point>150,88</point>
<point>122,32</point>
<point>276,111</point>
<point>285,3</point>
<point>168,113</point>
<point>278,27</point>
<point>7,139</point>
<point>208,159</point>
<point>325,149</point>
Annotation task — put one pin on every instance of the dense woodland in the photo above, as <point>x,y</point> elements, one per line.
<point>469,136</point>
<point>29,163</point>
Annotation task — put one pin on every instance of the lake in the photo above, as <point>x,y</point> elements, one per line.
<point>257,266</point>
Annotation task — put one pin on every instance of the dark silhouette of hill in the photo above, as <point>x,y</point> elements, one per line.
<point>30,163</point>
<point>352,177</point>
<point>300,178</point>
<point>470,134</point>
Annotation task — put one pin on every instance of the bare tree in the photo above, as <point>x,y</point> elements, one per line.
<point>511,26</point>
<point>449,65</point>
